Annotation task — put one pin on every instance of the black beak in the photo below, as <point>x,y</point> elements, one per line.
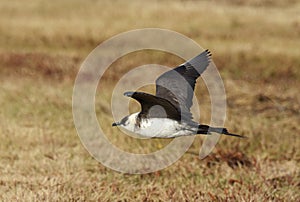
<point>115,124</point>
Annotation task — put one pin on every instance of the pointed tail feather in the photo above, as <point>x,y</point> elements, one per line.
<point>205,129</point>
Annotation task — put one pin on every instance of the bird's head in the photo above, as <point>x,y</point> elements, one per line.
<point>128,122</point>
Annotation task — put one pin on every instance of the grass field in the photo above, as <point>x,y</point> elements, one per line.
<point>255,45</point>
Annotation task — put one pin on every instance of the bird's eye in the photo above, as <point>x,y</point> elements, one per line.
<point>125,121</point>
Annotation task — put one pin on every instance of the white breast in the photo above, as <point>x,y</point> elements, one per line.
<point>163,128</point>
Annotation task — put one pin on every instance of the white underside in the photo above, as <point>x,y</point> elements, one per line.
<point>163,128</point>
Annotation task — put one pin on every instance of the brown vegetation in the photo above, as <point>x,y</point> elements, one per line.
<point>255,45</point>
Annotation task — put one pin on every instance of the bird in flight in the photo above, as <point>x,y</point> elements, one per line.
<point>167,114</point>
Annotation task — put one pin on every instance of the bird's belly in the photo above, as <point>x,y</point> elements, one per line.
<point>162,128</point>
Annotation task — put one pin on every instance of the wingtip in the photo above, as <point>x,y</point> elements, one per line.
<point>208,53</point>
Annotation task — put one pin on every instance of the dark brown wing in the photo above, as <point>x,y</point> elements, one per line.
<point>177,85</point>
<point>154,107</point>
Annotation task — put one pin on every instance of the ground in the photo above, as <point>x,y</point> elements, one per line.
<point>255,45</point>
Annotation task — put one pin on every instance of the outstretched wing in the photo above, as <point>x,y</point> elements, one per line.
<point>177,85</point>
<point>154,107</point>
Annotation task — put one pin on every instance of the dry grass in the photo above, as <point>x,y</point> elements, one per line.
<point>255,45</point>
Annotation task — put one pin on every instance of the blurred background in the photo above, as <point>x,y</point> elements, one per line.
<point>255,45</point>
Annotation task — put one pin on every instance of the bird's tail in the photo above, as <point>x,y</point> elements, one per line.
<point>205,129</point>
